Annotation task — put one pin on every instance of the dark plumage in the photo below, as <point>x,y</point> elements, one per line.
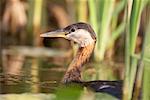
<point>81,25</point>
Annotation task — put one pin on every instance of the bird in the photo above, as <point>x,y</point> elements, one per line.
<point>84,35</point>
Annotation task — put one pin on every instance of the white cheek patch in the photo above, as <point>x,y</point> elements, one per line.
<point>82,37</point>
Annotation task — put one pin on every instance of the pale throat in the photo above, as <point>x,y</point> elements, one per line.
<point>82,37</point>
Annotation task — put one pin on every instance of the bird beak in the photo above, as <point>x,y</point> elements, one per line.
<point>57,33</point>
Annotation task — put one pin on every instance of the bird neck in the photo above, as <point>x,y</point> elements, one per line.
<point>83,55</point>
<point>74,70</point>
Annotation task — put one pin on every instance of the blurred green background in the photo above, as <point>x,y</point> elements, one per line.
<point>30,64</point>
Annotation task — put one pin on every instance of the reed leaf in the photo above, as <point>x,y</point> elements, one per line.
<point>82,10</point>
<point>104,18</point>
<point>119,7</point>
<point>146,55</point>
<point>146,81</point>
<point>104,31</point>
<point>117,32</point>
<point>134,9</point>
<point>36,29</point>
<point>94,21</point>
<point>134,22</point>
<point>127,58</point>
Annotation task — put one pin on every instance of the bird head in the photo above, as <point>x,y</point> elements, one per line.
<point>81,33</point>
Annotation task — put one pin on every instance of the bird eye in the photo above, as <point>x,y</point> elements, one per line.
<point>72,30</point>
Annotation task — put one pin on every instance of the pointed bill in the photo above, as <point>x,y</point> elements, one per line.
<point>57,33</point>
